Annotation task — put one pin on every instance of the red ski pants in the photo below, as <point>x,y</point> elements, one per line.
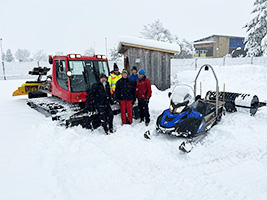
<point>126,107</point>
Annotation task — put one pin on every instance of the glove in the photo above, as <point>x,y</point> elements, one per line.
<point>147,100</point>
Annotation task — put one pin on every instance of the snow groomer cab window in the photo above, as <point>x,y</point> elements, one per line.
<point>103,67</point>
<point>83,75</point>
<point>61,74</point>
<point>77,83</point>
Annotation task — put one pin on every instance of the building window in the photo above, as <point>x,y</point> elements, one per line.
<point>196,54</point>
<point>203,53</point>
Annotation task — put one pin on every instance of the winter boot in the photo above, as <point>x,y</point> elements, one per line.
<point>128,121</point>
<point>147,122</point>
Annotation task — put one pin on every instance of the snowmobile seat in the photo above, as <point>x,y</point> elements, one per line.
<point>200,107</point>
<point>203,107</point>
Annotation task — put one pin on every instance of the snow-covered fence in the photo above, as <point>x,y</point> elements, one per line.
<point>19,70</point>
<point>195,63</point>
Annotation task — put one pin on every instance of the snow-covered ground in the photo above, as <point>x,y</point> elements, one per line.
<point>41,160</point>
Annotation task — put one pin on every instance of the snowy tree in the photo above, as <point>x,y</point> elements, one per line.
<point>40,55</point>
<point>114,54</point>
<point>22,55</point>
<point>156,31</point>
<point>9,57</point>
<point>257,30</point>
<point>89,52</point>
<point>187,49</point>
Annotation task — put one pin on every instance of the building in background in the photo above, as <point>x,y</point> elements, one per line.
<point>217,46</point>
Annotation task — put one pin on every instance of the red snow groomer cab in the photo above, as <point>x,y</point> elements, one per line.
<point>73,75</point>
<point>68,85</point>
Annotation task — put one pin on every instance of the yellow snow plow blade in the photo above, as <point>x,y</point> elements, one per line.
<point>26,88</point>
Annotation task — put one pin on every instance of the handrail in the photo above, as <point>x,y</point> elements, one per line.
<point>207,66</point>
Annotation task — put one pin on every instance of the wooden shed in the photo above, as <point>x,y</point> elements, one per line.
<point>153,56</point>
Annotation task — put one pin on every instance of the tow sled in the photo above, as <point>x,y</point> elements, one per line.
<point>238,101</point>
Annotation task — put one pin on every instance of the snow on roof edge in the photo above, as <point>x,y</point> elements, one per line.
<point>204,42</point>
<point>148,43</point>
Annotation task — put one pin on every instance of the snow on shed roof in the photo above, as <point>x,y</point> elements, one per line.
<point>147,44</point>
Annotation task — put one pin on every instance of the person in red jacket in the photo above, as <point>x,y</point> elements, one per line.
<point>143,94</point>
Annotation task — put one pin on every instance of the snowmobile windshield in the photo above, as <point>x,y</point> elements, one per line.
<point>182,94</point>
<point>181,97</point>
<point>85,73</point>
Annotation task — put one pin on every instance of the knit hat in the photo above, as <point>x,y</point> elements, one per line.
<point>115,67</point>
<point>134,68</point>
<point>102,75</point>
<point>142,72</point>
<point>124,71</point>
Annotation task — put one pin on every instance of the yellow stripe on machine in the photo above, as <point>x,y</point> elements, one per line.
<point>26,88</point>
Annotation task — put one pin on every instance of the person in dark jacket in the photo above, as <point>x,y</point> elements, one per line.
<point>125,93</point>
<point>100,96</point>
<point>134,76</point>
<point>143,94</point>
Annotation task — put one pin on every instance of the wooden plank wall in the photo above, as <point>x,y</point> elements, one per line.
<point>155,63</point>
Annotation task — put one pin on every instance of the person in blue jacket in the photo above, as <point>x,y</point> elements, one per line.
<point>134,76</point>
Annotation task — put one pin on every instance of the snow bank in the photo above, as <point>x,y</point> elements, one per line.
<point>42,160</point>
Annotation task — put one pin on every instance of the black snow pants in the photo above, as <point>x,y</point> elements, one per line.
<point>143,110</point>
<point>106,116</point>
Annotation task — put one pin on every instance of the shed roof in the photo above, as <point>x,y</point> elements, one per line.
<point>125,42</point>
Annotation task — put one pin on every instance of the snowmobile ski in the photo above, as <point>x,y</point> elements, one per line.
<point>186,146</point>
<point>189,144</point>
<point>147,135</point>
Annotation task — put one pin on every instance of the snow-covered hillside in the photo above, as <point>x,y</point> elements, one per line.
<point>41,160</point>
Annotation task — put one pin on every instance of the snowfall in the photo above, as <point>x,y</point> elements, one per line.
<point>39,159</point>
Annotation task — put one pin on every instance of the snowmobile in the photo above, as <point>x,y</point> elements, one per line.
<point>189,115</point>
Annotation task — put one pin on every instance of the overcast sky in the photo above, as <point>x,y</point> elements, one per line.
<point>74,26</point>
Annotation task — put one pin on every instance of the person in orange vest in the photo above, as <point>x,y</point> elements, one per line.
<point>113,78</point>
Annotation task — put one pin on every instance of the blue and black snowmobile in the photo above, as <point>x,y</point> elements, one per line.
<point>189,115</point>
